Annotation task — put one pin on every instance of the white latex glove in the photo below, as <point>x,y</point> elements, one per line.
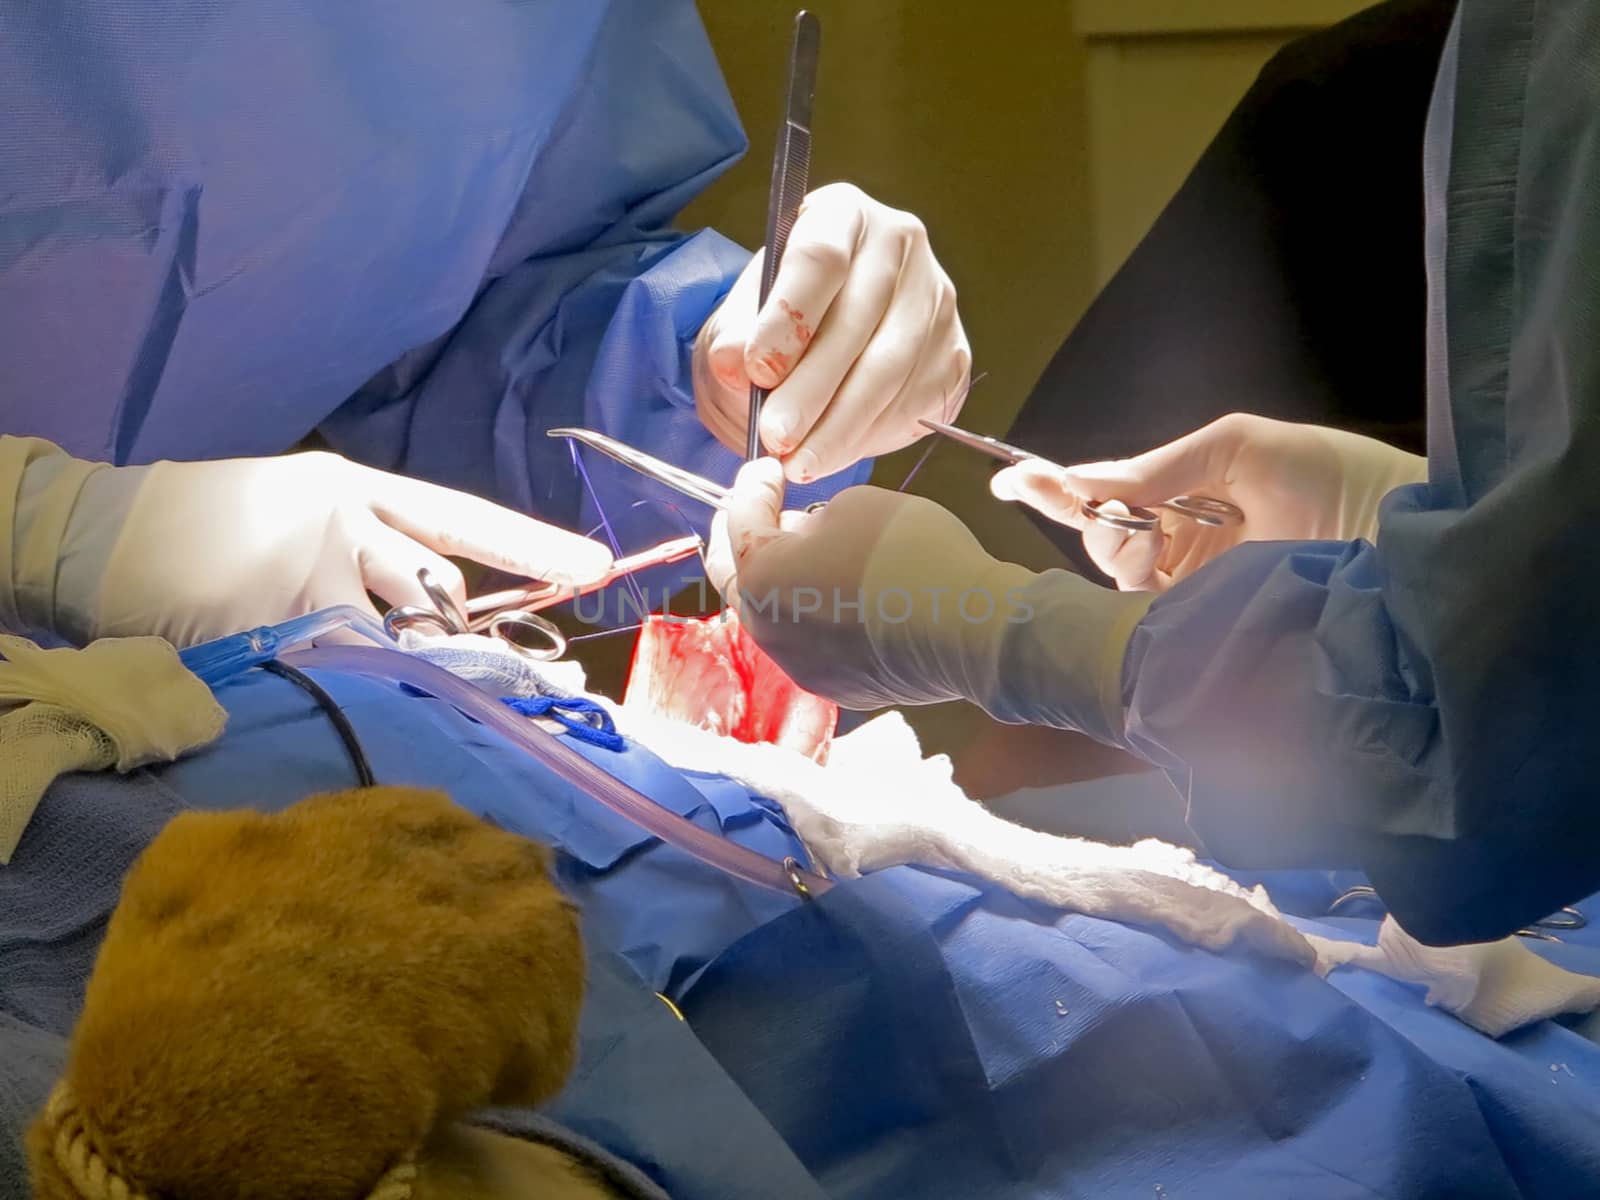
<point>193,551</point>
<point>859,339</point>
<point>886,598</point>
<point>1293,482</point>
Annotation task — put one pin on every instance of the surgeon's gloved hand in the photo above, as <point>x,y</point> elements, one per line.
<point>194,551</point>
<point>884,598</point>
<point>859,339</point>
<point>1294,483</point>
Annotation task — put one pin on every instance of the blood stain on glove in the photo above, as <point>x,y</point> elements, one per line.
<point>710,673</point>
<point>802,331</point>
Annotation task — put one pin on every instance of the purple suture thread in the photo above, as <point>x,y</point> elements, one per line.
<point>605,522</point>
<point>589,637</point>
<point>688,525</point>
<point>933,443</point>
<point>926,455</point>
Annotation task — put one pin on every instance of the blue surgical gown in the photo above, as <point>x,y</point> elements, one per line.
<point>1423,707</point>
<point>430,231</point>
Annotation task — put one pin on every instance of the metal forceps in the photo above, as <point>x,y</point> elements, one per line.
<point>686,483</point>
<point>1201,509</point>
<point>791,168</point>
<point>1563,918</point>
<point>513,615</point>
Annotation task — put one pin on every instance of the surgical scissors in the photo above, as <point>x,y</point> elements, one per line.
<point>513,615</point>
<point>1201,509</point>
<point>1197,508</point>
<point>1563,918</point>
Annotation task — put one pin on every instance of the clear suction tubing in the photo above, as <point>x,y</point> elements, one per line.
<point>217,661</point>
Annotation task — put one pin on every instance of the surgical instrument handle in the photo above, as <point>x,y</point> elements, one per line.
<point>547,595</point>
<point>791,169</point>
<point>1201,509</point>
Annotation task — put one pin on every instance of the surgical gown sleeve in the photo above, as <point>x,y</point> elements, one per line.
<point>1425,708</point>
<point>221,224</point>
<point>592,304</point>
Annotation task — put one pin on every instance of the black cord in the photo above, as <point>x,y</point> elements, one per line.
<point>341,723</point>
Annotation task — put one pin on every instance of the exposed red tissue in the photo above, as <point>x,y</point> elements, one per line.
<point>711,674</point>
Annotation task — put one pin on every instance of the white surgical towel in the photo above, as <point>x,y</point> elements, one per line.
<point>121,702</point>
<point>879,803</point>
<point>1496,987</point>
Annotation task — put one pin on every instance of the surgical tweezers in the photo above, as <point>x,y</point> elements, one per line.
<point>1201,509</point>
<point>791,169</point>
<point>686,482</point>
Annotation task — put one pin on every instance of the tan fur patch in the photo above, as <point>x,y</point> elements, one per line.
<point>285,1005</point>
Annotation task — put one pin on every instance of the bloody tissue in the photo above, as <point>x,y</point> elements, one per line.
<point>711,674</point>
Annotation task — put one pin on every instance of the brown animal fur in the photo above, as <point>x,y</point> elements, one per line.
<point>285,1005</point>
